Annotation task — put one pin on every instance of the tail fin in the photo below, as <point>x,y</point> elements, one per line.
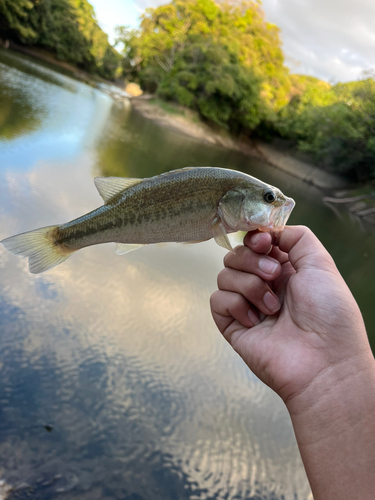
<point>40,247</point>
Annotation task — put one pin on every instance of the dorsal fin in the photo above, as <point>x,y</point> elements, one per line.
<point>110,186</point>
<point>180,170</point>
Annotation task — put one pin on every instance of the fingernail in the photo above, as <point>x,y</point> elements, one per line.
<point>271,302</point>
<point>255,238</point>
<point>253,317</point>
<point>268,266</point>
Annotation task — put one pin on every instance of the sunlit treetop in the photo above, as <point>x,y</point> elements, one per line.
<point>239,26</point>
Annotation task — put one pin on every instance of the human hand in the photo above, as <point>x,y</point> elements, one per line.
<point>308,321</point>
<point>300,331</point>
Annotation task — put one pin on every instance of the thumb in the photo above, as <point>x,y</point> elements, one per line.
<point>304,249</point>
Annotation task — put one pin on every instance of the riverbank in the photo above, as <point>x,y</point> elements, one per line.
<point>50,58</point>
<point>113,89</point>
<point>359,201</point>
<point>187,122</point>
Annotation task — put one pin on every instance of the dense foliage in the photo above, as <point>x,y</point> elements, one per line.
<point>67,27</point>
<point>206,76</point>
<point>336,125</point>
<point>173,36</point>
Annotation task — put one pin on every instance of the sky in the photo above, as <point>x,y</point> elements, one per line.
<point>331,39</point>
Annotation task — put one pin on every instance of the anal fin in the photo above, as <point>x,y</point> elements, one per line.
<point>122,248</point>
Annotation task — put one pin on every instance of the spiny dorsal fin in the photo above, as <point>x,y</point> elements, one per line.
<point>110,186</point>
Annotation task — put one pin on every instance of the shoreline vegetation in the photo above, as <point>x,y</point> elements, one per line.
<point>50,58</point>
<point>187,122</point>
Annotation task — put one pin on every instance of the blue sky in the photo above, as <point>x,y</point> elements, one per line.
<point>331,39</point>
<point>111,13</point>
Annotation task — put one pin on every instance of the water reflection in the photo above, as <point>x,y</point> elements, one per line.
<point>36,122</point>
<point>16,118</point>
<point>120,354</point>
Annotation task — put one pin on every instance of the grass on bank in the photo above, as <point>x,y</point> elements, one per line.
<point>177,110</point>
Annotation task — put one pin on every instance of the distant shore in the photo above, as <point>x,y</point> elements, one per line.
<point>186,122</point>
<point>50,58</point>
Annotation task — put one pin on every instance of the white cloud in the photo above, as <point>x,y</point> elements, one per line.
<point>333,40</point>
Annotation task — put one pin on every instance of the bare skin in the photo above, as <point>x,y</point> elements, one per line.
<point>299,329</point>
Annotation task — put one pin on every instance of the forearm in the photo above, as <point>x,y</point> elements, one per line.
<point>334,423</point>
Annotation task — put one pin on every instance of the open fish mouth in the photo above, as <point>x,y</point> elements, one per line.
<point>280,216</point>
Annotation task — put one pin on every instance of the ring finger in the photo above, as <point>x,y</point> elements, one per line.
<point>253,288</point>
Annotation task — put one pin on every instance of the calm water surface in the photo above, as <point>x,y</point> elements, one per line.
<point>119,354</point>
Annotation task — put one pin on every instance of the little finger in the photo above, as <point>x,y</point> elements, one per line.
<point>229,306</point>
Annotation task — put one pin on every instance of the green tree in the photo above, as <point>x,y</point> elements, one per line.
<point>167,30</point>
<point>207,77</point>
<point>57,24</point>
<point>69,28</point>
<point>14,21</point>
<point>336,125</point>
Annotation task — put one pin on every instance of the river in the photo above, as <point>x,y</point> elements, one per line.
<point>115,383</point>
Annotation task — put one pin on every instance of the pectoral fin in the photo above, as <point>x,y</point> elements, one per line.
<point>122,248</point>
<point>220,235</point>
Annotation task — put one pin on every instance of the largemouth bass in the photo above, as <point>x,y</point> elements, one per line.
<point>188,205</point>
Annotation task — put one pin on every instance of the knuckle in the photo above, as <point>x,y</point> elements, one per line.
<point>221,277</point>
<point>230,257</point>
<point>215,299</point>
<point>306,230</point>
<point>254,287</point>
<point>244,257</point>
<point>238,302</point>
<point>227,259</point>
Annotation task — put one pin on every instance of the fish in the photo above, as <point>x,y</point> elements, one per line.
<point>188,205</point>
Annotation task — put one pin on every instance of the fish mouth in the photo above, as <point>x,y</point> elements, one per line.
<point>280,216</point>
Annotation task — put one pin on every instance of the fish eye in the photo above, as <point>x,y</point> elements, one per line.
<point>269,196</point>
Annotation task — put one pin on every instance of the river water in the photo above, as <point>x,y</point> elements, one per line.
<point>115,383</point>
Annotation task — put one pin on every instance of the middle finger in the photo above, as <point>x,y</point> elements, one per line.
<point>246,260</point>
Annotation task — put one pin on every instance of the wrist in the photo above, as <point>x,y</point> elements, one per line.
<point>351,380</point>
<point>334,423</point>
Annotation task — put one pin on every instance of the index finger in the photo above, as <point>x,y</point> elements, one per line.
<point>258,242</point>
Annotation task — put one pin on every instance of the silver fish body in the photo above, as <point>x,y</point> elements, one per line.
<point>187,205</point>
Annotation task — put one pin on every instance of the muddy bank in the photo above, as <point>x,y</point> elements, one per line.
<point>183,122</point>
